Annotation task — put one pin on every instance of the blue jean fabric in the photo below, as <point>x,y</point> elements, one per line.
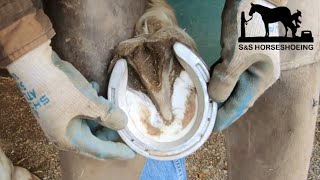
<point>164,170</point>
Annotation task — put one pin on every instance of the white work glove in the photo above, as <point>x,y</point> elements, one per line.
<point>241,76</point>
<point>63,102</point>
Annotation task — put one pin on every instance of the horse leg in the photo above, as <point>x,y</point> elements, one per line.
<point>285,24</point>
<point>267,29</point>
<point>92,44</point>
<point>286,30</point>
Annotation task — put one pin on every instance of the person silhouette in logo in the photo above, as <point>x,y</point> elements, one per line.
<point>295,18</point>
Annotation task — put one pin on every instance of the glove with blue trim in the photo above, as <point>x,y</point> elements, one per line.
<point>243,72</point>
<point>68,107</point>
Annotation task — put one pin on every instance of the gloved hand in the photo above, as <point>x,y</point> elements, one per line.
<point>241,76</point>
<point>67,106</point>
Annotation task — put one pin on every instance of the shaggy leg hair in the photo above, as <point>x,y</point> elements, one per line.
<point>158,15</point>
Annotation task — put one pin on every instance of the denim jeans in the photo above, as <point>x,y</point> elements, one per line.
<point>164,170</point>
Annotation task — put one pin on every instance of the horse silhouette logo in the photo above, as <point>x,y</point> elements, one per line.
<point>273,15</point>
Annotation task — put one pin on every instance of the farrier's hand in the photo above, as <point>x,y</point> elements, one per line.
<point>241,76</point>
<point>64,104</point>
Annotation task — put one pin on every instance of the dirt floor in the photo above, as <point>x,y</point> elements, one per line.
<point>25,144</point>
